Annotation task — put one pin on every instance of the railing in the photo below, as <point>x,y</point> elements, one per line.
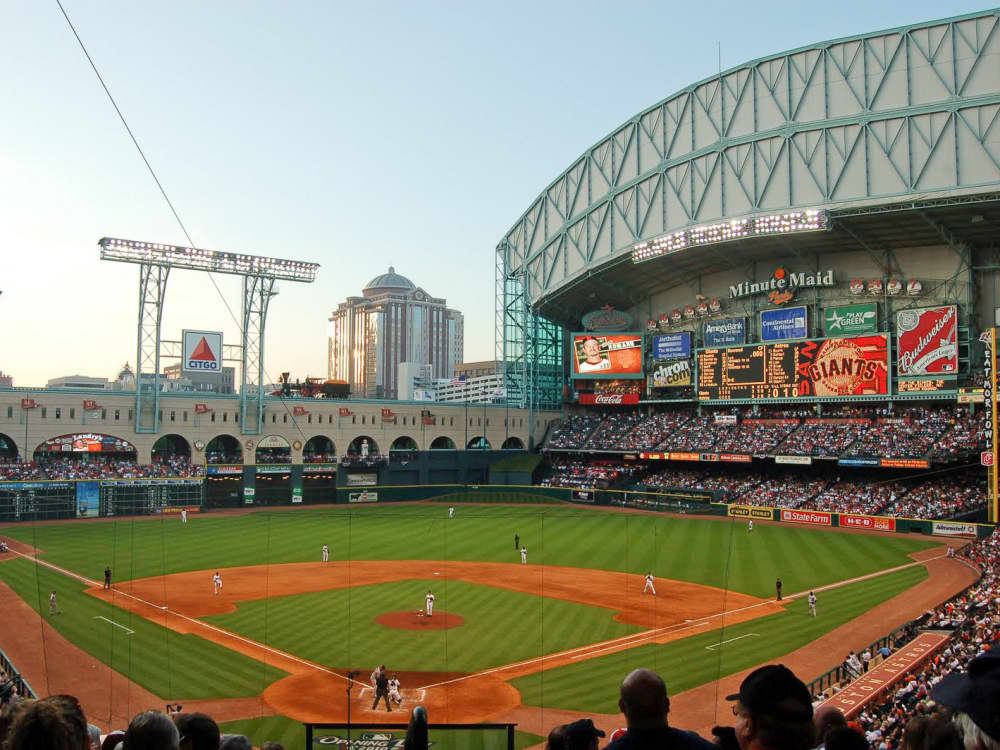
<point>12,683</point>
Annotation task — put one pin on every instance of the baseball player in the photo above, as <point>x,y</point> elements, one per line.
<point>394,694</point>
<point>3,545</point>
<point>381,688</point>
<point>650,588</point>
<point>812,603</point>
<point>216,583</point>
<point>517,542</point>
<point>54,605</point>
<point>184,515</point>
<point>524,555</point>
<point>107,576</point>
<point>429,604</point>
<point>374,678</point>
<point>777,589</point>
<point>750,526</point>
<point>326,553</point>
<point>451,512</point>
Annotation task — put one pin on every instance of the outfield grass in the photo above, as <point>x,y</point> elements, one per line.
<point>500,626</point>
<point>170,664</point>
<point>292,734</point>
<point>697,660</point>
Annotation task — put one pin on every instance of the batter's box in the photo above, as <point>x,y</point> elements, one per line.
<point>417,694</point>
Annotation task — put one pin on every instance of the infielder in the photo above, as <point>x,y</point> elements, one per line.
<point>394,694</point>
<point>650,588</point>
<point>184,515</point>
<point>216,583</point>
<point>429,604</point>
<point>107,576</point>
<point>451,512</point>
<point>326,553</point>
<point>812,603</point>
<point>524,555</point>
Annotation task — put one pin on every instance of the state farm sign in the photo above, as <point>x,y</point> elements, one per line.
<point>806,516</point>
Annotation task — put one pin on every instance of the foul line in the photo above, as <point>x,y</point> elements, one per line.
<point>581,652</point>
<point>730,640</point>
<point>117,625</point>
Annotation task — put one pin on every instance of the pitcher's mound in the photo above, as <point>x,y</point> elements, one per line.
<point>419,621</point>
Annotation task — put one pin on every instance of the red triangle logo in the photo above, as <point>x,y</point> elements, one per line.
<point>203,352</point>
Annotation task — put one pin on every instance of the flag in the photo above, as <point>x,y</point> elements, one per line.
<point>457,381</point>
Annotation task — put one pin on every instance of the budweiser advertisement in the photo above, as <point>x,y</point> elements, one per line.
<point>605,355</point>
<point>927,341</point>
<point>609,399</point>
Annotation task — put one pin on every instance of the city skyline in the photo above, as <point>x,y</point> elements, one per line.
<point>354,137</point>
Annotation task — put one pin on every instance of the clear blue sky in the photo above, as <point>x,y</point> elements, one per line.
<point>355,135</point>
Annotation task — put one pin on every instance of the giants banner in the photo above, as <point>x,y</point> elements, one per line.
<point>927,341</point>
<point>607,355</point>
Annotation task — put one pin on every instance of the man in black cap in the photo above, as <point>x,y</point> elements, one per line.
<point>643,700</point>
<point>773,711</point>
<point>975,697</point>
<point>580,735</point>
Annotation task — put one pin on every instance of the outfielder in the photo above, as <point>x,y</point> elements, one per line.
<point>184,515</point>
<point>750,526</point>
<point>54,605</point>
<point>429,604</point>
<point>394,694</point>
<point>524,555</point>
<point>326,553</point>
<point>650,588</point>
<point>216,583</point>
<point>451,512</point>
<point>812,603</point>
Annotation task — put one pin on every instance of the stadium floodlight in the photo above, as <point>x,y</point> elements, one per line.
<point>810,220</point>
<point>198,259</point>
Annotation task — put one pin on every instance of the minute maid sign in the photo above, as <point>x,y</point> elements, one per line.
<point>850,319</point>
<point>782,285</point>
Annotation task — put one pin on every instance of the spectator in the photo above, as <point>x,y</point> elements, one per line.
<point>151,730</point>
<point>198,731</point>
<point>234,742</point>
<point>825,719</point>
<point>644,702</point>
<point>270,745</point>
<point>975,697</point>
<point>53,723</point>
<point>845,738</point>
<point>773,710</point>
<point>930,733</point>
<point>581,735</point>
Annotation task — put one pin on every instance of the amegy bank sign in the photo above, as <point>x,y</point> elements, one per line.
<point>782,285</point>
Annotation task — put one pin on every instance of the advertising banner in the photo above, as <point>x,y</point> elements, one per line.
<point>319,468</point>
<point>684,456</point>
<point>927,341</point>
<point>878,523</point>
<point>858,461</point>
<point>725,332</point>
<point>750,511</point>
<point>814,517</point>
<point>724,419</point>
<point>273,441</point>
<point>224,469</point>
<point>603,355</point>
<point>783,323</point>
<point>362,480</point>
<point>740,458</point>
<point>850,319</point>
<point>609,399</point>
<point>672,346</point>
<point>297,493</point>
<point>88,499</point>
<point>905,463</point>
<point>797,460</point>
<point>365,496</point>
<point>951,528</point>
<point>201,351</point>
<point>273,468</point>
<point>670,374</point>
<point>850,366</point>
<point>584,496</point>
<point>248,495</point>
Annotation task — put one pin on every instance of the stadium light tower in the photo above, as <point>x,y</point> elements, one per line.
<point>259,276</point>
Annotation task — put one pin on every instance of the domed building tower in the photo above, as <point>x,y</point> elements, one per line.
<point>393,321</point>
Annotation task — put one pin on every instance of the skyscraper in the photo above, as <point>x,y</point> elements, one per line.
<point>393,321</point>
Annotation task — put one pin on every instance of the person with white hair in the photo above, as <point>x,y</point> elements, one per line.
<point>974,697</point>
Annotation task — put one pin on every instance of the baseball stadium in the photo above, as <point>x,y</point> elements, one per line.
<point>748,347</point>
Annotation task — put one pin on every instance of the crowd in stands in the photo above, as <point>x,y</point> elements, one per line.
<point>573,431</point>
<point>182,467</point>
<point>612,431</point>
<point>752,437</point>
<point>820,439</point>
<point>62,468</point>
<point>912,433</point>
<point>582,474</point>
<point>319,458</point>
<point>930,500</point>
<point>852,496</point>
<point>12,471</point>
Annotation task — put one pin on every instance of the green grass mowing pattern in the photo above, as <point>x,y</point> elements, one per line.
<point>710,552</point>
<point>169,664</point>
<point>500,626</point>
<point>292,734</point>
<point>688,663</point>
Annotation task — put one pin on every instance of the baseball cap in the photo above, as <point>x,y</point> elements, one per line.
<point>776,691</point>
<point>582,729</point>
<point>976,693</point>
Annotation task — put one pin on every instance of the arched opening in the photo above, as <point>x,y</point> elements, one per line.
<point>362,446</point>
<point>513,444</point>
<point>403,450</point>
<point>319,449</point>
<point>442,444</point>
<point>8,450</point>
<point>478,443</point>
<point>174,452</point>
<point>273,449</point>
<point>223,449</point>
<point>9,466</point>
<point>91,455</point>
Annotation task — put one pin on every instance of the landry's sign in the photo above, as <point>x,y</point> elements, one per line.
<point>607,319</point>
<point>781,287</point>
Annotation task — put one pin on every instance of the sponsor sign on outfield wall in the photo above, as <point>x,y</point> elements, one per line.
<point>879,523</point>
<point>814,517</point>
<point>905,463</point>
<point>783,323</point>
<point>950,528</point>
<point>362,480</point>
<point>365,496</point>
<point>927,341</point>
<point>725,332</point>
<point>797,460</point>
<point>857,461</point>
<point>850,319</point>
<point>750,511</point>
<point>319,468</point>
<point>604,355</point>
<point>584,496</point>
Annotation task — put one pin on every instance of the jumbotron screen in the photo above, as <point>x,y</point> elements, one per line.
<point>607,355</point>
<point>848,366</point>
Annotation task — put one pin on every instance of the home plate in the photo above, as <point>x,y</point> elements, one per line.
<point>436,573</point>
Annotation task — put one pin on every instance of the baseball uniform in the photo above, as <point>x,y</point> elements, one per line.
<point>374,678</point>
<point>777,589</point>
<point>54,605</point>
<point>812,603</point>
<point>750,526</point>
<point>381,690</point>
<point>107,577</point>
<point>216,584</point>
<point>394,694</point>
<point>524,555</point>
<point>650,589</point>
<point>429,604</point>
<point>517,542</point>
<point>451,512</point>
<point>326,553</point>
<point>184,516</point>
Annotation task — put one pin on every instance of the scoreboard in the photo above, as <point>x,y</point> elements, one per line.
<point>847,366</point>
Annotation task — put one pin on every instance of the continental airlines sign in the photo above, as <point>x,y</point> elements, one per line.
<point>782,285</point>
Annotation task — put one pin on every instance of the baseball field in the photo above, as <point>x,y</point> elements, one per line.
<point>507,641</point>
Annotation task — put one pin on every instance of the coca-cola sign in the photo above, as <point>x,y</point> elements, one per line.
<point>609,399</point>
